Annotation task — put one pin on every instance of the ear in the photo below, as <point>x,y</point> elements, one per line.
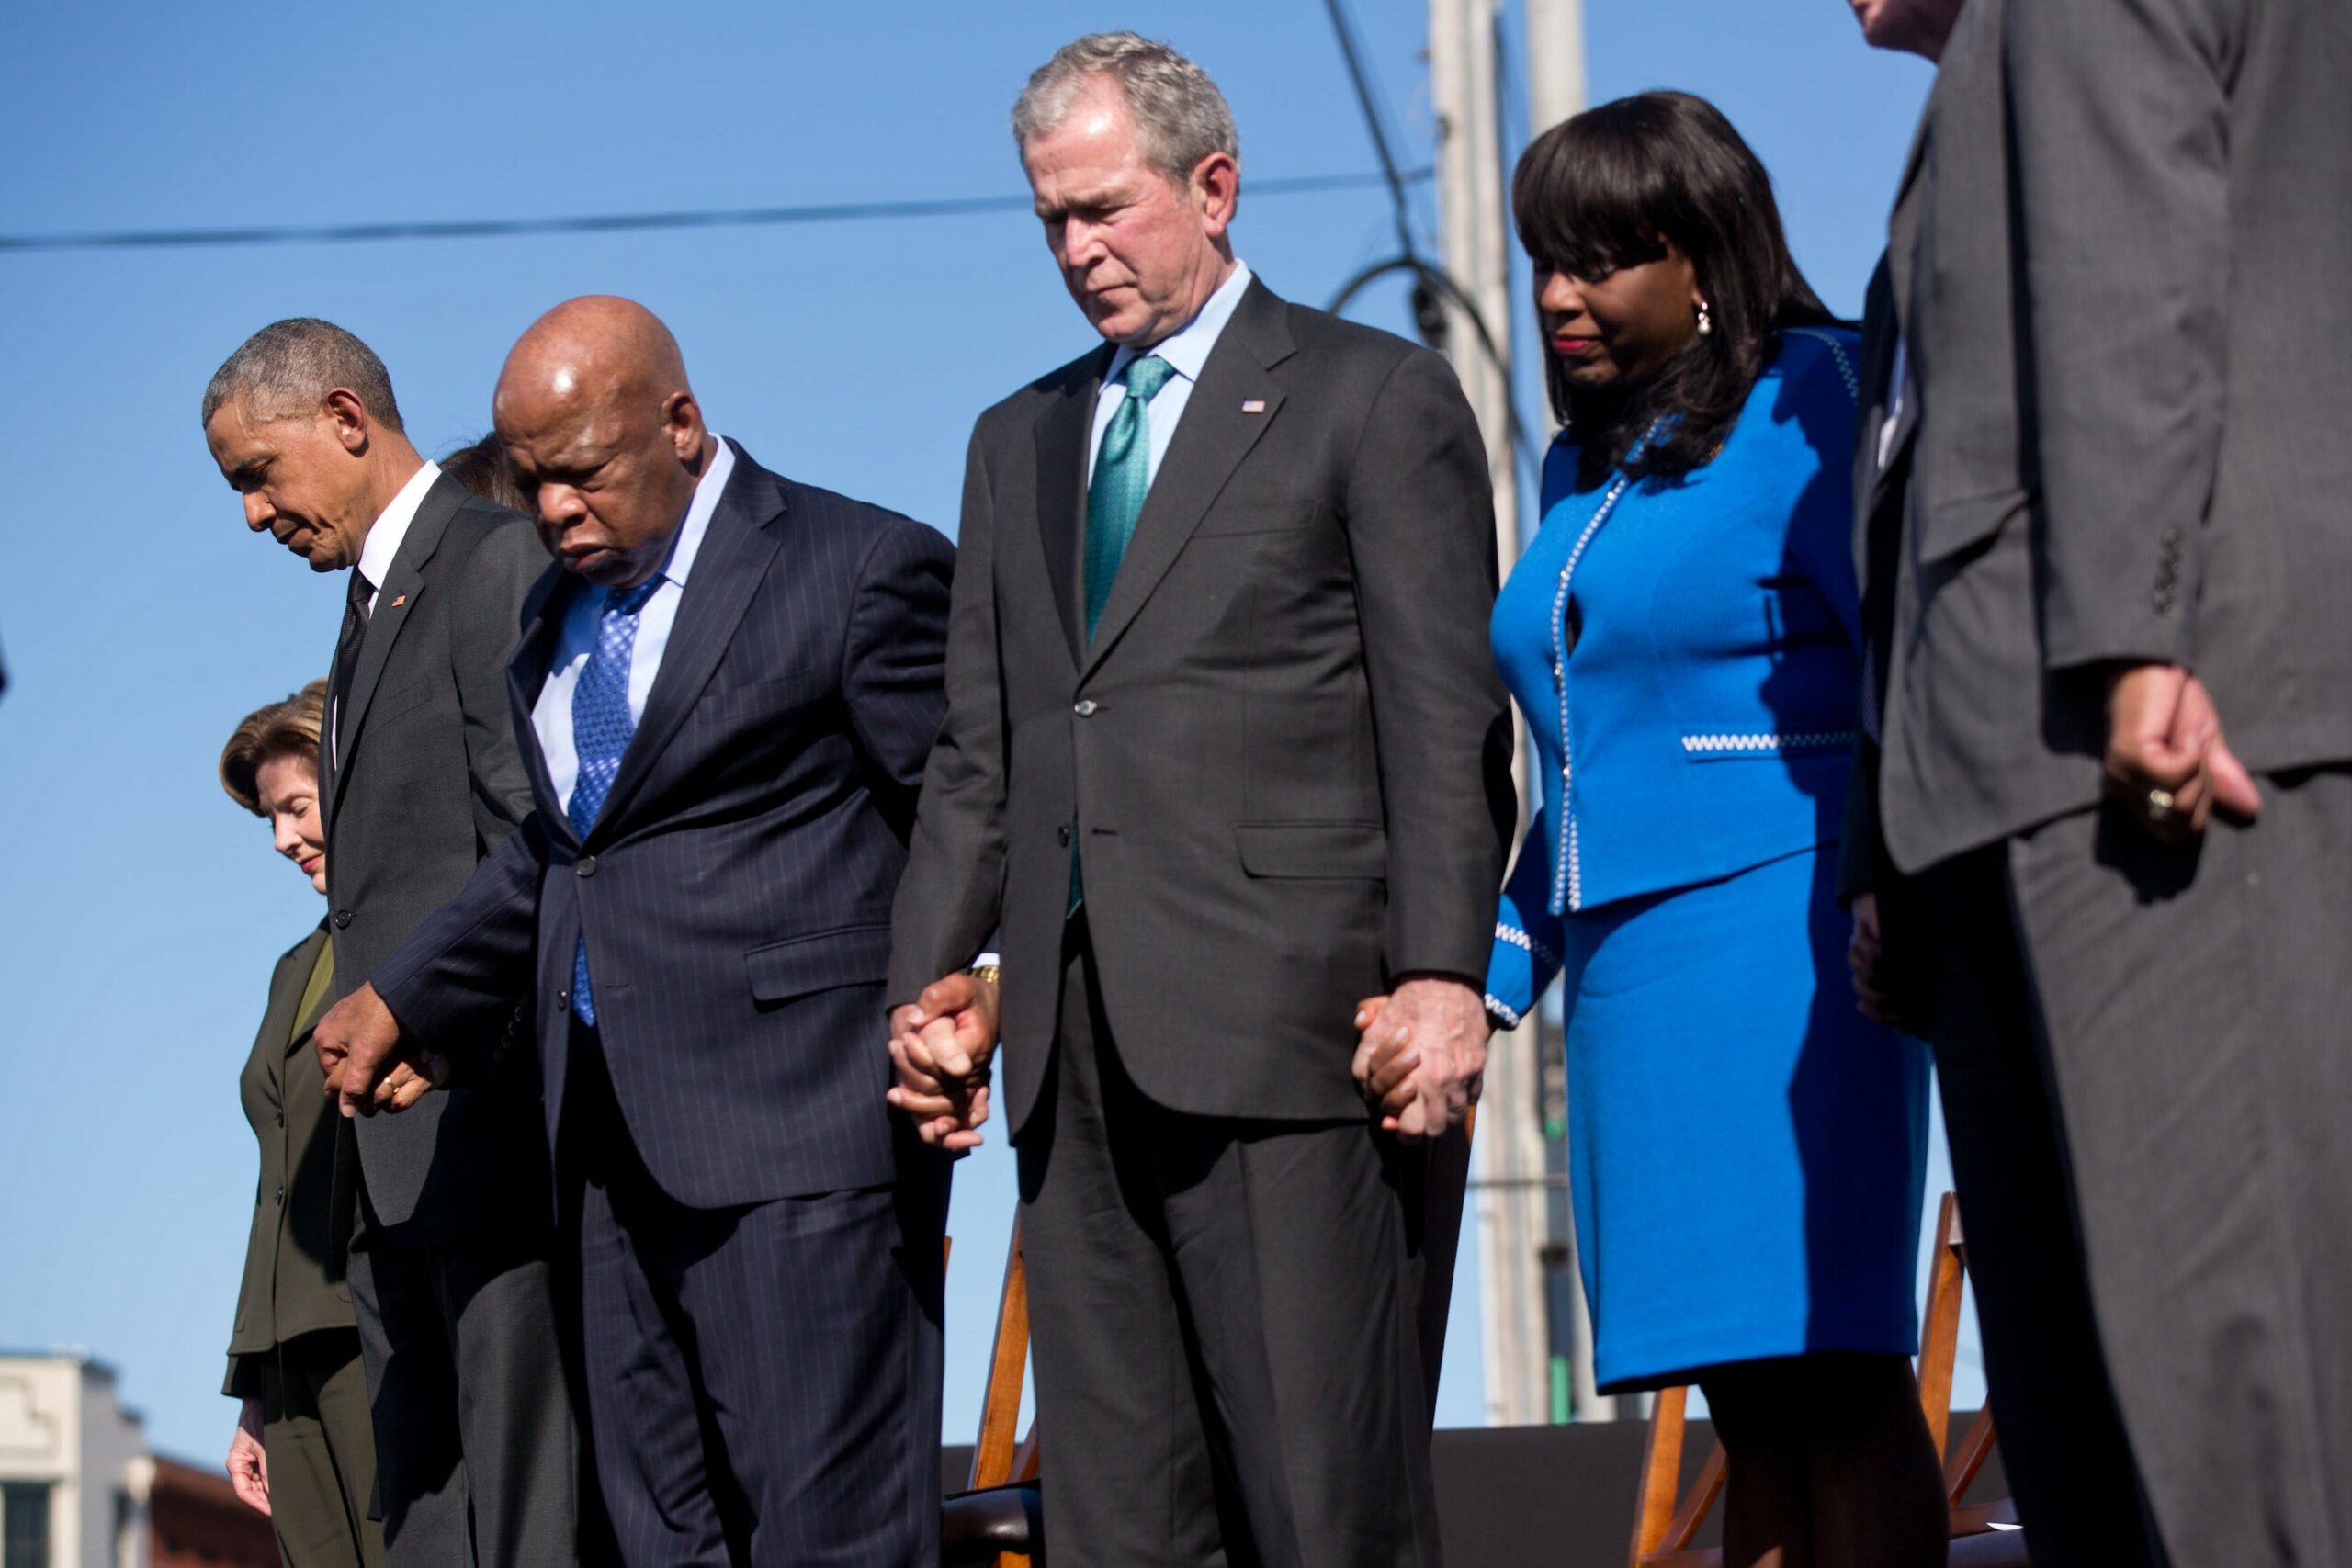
<point>349,417</point>
<point>1216,189</point>
<point>682,418</point>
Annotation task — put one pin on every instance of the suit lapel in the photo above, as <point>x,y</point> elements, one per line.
<point>1064,432</point>
<point>526,675</point>
<point>396,599</point>
<point>1209,445</point>
<point>727,573</point>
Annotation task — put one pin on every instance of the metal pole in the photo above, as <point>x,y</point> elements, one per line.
<point>1507,1156</point>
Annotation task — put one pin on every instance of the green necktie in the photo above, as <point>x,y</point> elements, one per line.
<point>1113,502</point>
<point>1122,479</point>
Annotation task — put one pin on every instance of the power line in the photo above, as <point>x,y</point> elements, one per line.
<point>627,222</point>
<point>1373,122</point>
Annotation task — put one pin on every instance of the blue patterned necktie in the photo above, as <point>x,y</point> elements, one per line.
<point>1113,502</point>
<point>1122,479</point>
<point>601,727</point>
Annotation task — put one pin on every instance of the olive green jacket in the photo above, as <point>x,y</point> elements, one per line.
<point>308,1196</point>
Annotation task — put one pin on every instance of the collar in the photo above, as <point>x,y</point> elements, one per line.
<point>1187,349</point>
<point>707,489</point>
<point>390,527</point>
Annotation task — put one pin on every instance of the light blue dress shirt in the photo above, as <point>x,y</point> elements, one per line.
<point>1186,351</point>
<point>551,714</point>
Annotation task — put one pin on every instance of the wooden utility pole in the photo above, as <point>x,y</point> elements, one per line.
<point>1507,1161</point>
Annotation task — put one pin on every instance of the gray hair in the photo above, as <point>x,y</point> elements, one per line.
<point>1180,117</point>
<point>290,367</point>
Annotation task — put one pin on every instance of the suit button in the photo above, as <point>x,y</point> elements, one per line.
<point>281,1119</point>
<point>1085,709</point>
<point>1061,834</point>
<point>585,865</point>
<point>342,918</point>
<point>281,1197</point>
<point>563,1001</point>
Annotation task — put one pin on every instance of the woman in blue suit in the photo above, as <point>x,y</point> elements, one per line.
<point>1746,1148</point>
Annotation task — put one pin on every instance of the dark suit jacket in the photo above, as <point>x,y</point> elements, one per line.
<point>2127,447</point>
<point>1286,750</point>
<point>305,1202</point>
<point>430,782</point>
<point>735,891</point>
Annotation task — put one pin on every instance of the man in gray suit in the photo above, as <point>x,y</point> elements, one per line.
<point>420,779</point>
<point>1224,754</point>
<point>2111,774</point>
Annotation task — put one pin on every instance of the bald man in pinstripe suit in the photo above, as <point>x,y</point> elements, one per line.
<point>725,696</point>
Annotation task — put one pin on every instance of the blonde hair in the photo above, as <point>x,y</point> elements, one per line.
<point>289,729</point>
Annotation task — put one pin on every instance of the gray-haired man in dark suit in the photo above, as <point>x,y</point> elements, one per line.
<point>2114,774</point>
<point>1223,749</point>
<point>420,780</point>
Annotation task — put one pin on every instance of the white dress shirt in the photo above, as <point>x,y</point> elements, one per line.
<point>1186,351</point>
<point>551,714</point>
<point>380,549</point>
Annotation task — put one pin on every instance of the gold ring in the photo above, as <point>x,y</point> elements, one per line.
<point>2160,805</point>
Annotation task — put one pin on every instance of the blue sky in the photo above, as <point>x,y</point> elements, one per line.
<point>139,911</point>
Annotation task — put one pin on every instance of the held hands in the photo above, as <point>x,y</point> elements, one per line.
<point>1879,993</point>
<point>1422,1055</point>
<point>2166,762</point>
<point>248,1461</point>
<point>367,1065</point>
<point>941,1048</point>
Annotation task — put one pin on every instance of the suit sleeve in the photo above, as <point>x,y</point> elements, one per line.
<point>893,658</point>
<point>452,981</point>
<point>2122,196</point>
<point>948,900</point>
<point>1420,520</point>
<point>497,577</point>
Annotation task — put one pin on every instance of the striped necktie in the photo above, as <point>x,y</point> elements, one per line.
<point>600,727</point>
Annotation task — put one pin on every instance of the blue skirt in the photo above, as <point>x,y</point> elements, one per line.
<point>1745,1150</point>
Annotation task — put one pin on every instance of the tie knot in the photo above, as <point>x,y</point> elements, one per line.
<point>1146,375</point>
<point>630,601</point>
<point>361,590</point>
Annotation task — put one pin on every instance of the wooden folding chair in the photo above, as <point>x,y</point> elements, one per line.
<point>1664,1529</point>
<point>996,1522</point>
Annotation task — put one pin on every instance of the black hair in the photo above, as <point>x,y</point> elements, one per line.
<point>1614,187</point>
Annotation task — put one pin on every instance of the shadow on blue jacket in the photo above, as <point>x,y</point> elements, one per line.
<point>1688,656</point>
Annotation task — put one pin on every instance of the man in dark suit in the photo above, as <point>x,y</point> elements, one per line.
<point>1223,757</point>
<point>725,693</point>
<point>2122,920</point>
<point>420,780</point>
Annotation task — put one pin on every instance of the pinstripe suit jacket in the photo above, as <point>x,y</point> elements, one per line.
<point>735,891</point>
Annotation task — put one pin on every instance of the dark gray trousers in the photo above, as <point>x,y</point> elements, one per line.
<point>2195,1011</point>
<point>476,1458</point>
<point>1224,1324</point>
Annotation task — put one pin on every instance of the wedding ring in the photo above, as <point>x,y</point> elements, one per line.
<point>2160,805</point>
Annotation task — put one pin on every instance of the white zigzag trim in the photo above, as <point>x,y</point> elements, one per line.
<point>1766,742</point>
<point>1525,942</point>
<point>1838,352</point>
<point>1510,1017</point>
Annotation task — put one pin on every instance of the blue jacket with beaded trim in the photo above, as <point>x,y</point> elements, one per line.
<point>1688,656</point>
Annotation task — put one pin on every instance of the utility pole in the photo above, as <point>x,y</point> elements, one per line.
<point>1507,1161</point>
<point>1556,90</point>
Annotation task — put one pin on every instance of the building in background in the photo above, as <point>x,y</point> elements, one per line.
<point>78,1488</point>
<point>73,1466</point>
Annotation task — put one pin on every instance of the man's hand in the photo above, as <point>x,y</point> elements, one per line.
<point>2167,762</point>
<point>412,1079</point>
<point>358,1041</point>
<point>248,1461</point>
<point>1880,995</point>
<point>941,1048</point>
<point>1442,1025</point>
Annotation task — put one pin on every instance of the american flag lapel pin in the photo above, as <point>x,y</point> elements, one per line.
<point>1253,405</point>
<point>399,601</point>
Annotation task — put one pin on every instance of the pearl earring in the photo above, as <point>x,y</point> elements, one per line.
<point>1706,319</point>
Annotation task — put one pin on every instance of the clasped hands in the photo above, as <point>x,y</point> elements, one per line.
<point>369,1065</point>
<point>1420,1055</point>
